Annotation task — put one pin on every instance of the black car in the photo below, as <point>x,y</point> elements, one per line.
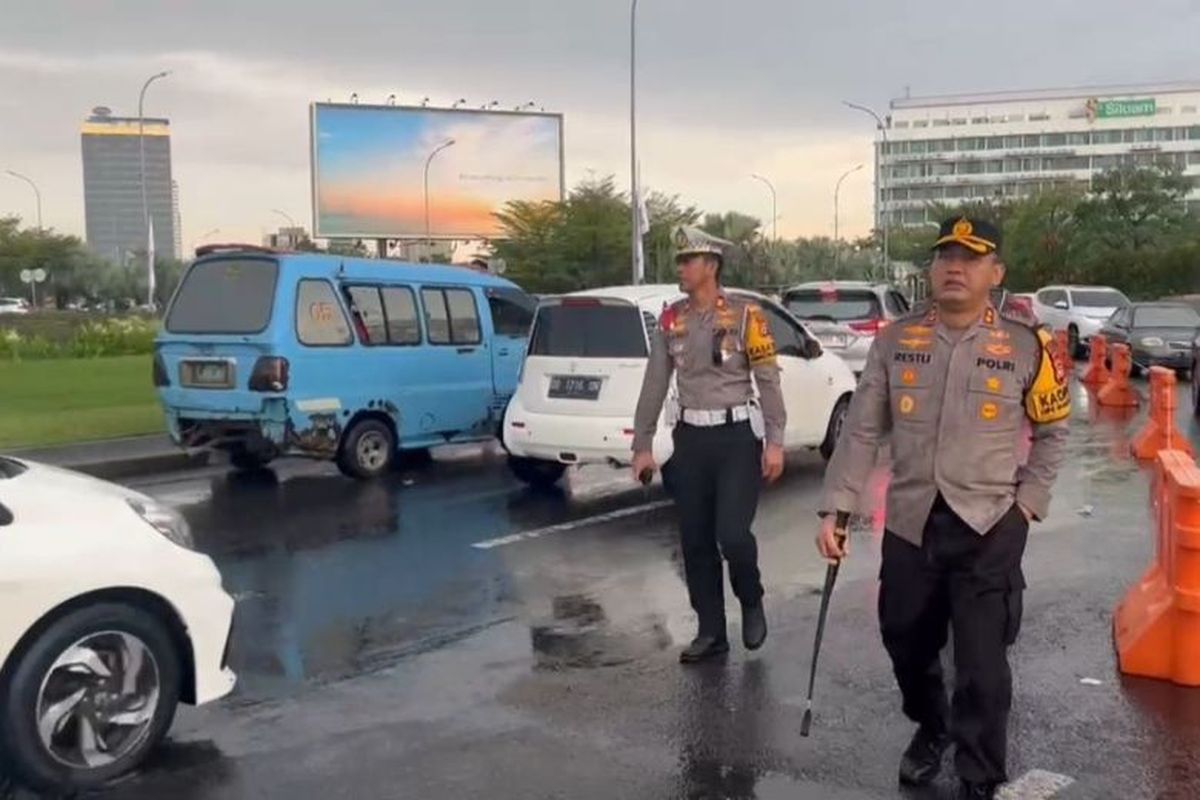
<point>1158,334</point>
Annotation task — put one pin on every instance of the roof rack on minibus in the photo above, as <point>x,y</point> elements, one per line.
<point>233,247</point>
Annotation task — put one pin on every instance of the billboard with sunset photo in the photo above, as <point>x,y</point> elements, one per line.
<point>369,162</point>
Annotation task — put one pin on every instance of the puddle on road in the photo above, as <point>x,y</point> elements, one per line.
<point>336,577</point>
<point>580,636</point>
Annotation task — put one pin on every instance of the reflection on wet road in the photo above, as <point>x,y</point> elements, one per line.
<point>382,654</point>
<point>335,577</point>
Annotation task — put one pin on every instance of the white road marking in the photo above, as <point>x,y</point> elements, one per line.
<point>564,527</point>
<point>1037,784</point>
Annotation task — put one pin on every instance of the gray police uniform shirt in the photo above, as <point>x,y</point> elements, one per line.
<point>713,353</point>
<point>955,408</point>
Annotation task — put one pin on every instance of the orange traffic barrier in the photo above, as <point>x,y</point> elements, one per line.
<point>1156,627</point>
<point>1117,392</point>
<point>1160,432</point>
<point>1097,372</point>
<point>1063,344</point>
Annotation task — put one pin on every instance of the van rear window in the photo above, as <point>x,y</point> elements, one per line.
<point>227,295</point>
<point>588,331</point>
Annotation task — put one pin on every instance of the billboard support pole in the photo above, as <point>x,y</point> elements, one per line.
<point>634,190</point>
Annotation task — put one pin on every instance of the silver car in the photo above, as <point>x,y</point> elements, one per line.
<point>846,315</point>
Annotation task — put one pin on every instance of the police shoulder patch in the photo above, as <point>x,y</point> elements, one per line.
<point>1049,396</point>
<point>760,343</point>
<point>672,316</point>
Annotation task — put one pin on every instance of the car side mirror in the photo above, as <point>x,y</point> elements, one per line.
<point>1061,305</point>
<point>812,349</point>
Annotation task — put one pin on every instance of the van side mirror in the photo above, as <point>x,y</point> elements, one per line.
<point>1061,305</point>
<point>812,349</point>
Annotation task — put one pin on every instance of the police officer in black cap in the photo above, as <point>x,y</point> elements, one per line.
<point>953,390</point>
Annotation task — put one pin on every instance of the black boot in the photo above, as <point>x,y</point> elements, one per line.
<point>704,648</point>
<point>754,626</point>
<point>975,791</point>
<point>922,760</point>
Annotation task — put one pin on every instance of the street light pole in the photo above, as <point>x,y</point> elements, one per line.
<point>774,207</point>
<point>635,217</point>
<point>881,218</point>
<point>428,161</point>
<point>837,249</point>
<point>142,182</point>
<point>36,193</point>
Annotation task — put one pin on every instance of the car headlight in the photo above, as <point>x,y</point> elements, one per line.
<point>1151,341</point>
<point>167,521</point>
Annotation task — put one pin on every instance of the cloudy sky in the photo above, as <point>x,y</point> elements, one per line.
<point>725,88</point>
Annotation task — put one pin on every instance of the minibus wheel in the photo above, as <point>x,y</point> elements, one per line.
<point>368,450</point>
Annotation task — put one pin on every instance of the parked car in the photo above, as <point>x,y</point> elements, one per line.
<point>1078,310</point>
<point>14,305</point>
<point>1022,303</point>
<point>1158,334</point>
<point>846,315</point>
<point>110,620</point>
<point>583,374</point>
<point>265,354</point>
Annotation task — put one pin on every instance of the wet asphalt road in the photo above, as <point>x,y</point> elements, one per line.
<point>449,634</point>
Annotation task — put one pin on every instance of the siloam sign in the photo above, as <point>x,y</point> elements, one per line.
<point>1116,109</point>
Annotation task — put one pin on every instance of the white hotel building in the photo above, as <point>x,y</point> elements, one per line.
<point>954,149</point>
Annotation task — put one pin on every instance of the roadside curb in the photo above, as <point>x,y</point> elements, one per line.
<point>119,458</point>
<point>117,468</point>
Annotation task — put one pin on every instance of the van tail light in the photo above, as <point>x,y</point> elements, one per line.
<point>270,375</point>
<point>868,326</point>
<point>160,372</point>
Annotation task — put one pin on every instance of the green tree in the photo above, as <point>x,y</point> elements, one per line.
<point>747,261</point>
<point>528,247</point>
<point>72,271</point>
<point>579,243</point>
<point>666,215</point>
<point>1042,241</point>
<point>1137,208</point>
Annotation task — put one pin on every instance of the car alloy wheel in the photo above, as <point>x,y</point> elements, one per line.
<point>98,700</point>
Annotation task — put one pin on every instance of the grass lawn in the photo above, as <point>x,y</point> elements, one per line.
<point>71,400</point>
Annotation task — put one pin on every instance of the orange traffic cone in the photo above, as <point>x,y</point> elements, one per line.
<point>1097,372</point>
<point>1160,432</point>
<point>1117,391</point>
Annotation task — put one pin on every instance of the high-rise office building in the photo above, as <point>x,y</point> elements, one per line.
<point>112,191</point>
<point>958,148</point>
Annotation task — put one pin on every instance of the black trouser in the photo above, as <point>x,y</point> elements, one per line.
<point>715,477</point>
<point>972,583</point>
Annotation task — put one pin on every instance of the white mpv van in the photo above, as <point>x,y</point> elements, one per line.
<point>583,372</point>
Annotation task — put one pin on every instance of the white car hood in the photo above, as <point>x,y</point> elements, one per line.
<point>44,487</point>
